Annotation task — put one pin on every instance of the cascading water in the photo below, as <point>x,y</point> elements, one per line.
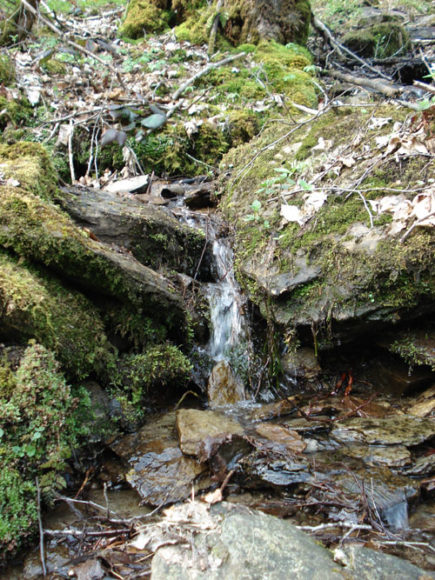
<point>228,326</point>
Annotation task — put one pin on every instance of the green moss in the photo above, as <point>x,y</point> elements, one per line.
<point>38,426</point>
<point>380,40</point>
<point>7,70</point>
<point>64,321</point>
<point>16,112</point>
<point>129,324</point>
<point>158,368</point>
<point>30,164</point>
<point>350,280</point>
<point>54,67</point>
<point>143,17</point>
<point>416,348</point>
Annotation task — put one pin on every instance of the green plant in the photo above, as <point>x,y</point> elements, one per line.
<point>38,427</point>
<point>256,214</point>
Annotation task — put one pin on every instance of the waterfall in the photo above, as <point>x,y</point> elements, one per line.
<point>228,326</point>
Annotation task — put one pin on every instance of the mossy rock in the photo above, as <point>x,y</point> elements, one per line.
<point>148,376</point>
<point>30,164</point>
<point>15,113</point>
<point>380,40</point>
<point>34,305</point>
<point>143,17</point>
<point>336,273</point>
<point>42,233</point>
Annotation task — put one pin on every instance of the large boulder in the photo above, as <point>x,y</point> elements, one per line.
<point>334,229</point>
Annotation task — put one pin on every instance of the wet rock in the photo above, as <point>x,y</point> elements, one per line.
<point>198,197</point>
<point>278,283</point>
<point>159,471</point>
<point>273,410</point>
<point>137,184</point>
<point>278,549</point>
<point>272,468</point>
<point>223,388</point>
<point>392,455</point>
<point>392,375</point>
<point>424,404</point>
<point>199,429</point>
<point>56,562</point>
<point>424,466</point>
<point>282,438</point>
<point>152,234</point>
<point>366,564</point>
<point>303,425</point>
<point>301,364</point>
<point>398,430</point>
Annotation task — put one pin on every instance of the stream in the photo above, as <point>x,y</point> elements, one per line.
<point>356,466</point>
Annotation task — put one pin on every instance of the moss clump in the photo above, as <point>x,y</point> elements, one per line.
<point>14,112</point>
<point>143,16</point>
<point>54,67</point>
<point>64,321</point>
<point>416,348</point>
<point>37,429</point>
<point>380,40</point>
<point>7,70</point>
<point>31,165</point>
<point>145,375</point>
<point>242,126</point>
<point>172,152</point>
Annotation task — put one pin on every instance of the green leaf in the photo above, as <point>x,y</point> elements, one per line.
<point>154,121</point>
<point>304,185</point>
<point>256,205</point>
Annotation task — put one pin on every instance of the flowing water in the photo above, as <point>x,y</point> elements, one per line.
<point>229,327</point>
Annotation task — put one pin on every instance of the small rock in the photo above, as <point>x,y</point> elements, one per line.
<point>223,388</point>
<point>195,428</point>
<point>302,364</point>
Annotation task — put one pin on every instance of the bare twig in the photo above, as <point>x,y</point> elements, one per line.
<point>204,71</point>
<point>415,224</point>
<point>41,529</point>
<point>424,86</point>
<point>341,48</point>
<point>70,151</point>
<point>380,86</point>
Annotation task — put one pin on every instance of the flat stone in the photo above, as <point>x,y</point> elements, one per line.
<point>198,428</point>
<point>398,430</point>
<point>391,455</point>
<point>283,438</point>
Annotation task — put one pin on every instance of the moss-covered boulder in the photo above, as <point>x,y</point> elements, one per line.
<point>320,245</point>
<point>38,426</point>
<point>144,17</point>
<point>36,306</point>
<point>42,233</point>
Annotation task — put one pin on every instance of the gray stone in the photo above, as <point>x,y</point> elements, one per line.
<point>250,546</point>
<point>366,564</point>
